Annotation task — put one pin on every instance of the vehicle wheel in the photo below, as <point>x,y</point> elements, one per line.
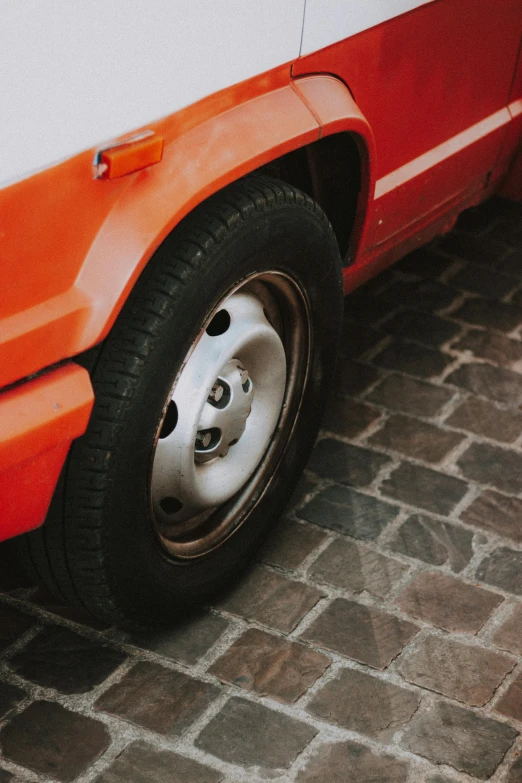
<point>209,394</point>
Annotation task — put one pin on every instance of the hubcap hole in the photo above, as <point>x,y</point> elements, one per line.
<point>170,420</point>
<point>219,324</point>
<point>171,505</point>
<point>246,385</point>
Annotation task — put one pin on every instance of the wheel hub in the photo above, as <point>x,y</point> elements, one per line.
<point>221,414</point>
<point>225,413</point>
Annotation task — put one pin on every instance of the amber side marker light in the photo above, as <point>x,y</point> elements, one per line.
<point>128,156</point>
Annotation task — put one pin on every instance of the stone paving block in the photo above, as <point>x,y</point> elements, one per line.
<point>448,603</point>
<point>434,542</point>
<point>516,298</point>
<point>502,568</point>
<point>360,632</point>
<point>510,226</point>
<point>477,221</point>
<point>511,233</point>
<point>354,567</point>
<point>510,703</point>
<point>496,514</point>
<point>348,417</point>
<point>346,464</point>
<point>305,485</point>
<point>348,762</point>
<point>491,315</point>
<point>60,659</point>
<point>349,512</point>
<point>142,763</point>
<point>512,264</point>
<point>479,280</point>
<point>271,600</point>
<point>452,735</point>
<point>357,339</point>
<point>484,418</point>
<point>10,696</point>
<point>415,438</point>
<point>412,359</point>
<point>359,702</point>
<point>353,378</point>
<point>408,395</point>
<point>379,285</point>
<point>495,383</point>
<point>487,252</point>
<point>515,772</point>
<point>362,306</point>
<point>423,487</point>
<point>51,740</point>
<point>270,666</point>
<point>424,262</point>
<point>496,348</point>
<point>430,330</point>
<point>50,603</point>
<point>465,673</point>
<point>13,624</point>
<point>290,543</point>
<point>157,699</point>
<point>187,641</point>
<point>510,213</point>
<point>509,635</point>
<point>488,464</point>
<point>423,295</point>
<point>253,735</point>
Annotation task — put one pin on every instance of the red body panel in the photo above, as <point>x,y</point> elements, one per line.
<point>419,80</point>
<point>38,421</point>
<point>512,187</point>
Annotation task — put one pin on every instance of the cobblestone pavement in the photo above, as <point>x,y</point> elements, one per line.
<point>379,638</point>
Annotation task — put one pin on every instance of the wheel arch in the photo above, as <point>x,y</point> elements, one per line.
<point>317,138</point>
<point>298,128</point>
<point>330,171</point>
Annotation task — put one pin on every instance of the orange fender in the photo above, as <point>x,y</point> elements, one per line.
<point>38,421</point>
<point>89,240</point>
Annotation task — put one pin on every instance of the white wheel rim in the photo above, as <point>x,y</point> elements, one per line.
<point>230,391</point>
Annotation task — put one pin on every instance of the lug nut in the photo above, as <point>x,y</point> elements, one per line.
<point>203,439</point>
<point>216,392</point>
<point>244,376</point>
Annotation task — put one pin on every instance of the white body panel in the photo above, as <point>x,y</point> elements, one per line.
<point>330,21</point>
<point>76,73</point>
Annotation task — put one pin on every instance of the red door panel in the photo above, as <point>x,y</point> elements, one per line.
<point>421,80</point>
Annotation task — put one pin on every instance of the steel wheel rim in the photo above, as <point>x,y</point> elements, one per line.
<point>202,490</point>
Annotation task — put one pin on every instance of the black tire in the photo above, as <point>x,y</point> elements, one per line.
<point>99,548</point>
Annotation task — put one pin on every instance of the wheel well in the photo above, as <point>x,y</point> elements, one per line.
<point>328,170</point>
